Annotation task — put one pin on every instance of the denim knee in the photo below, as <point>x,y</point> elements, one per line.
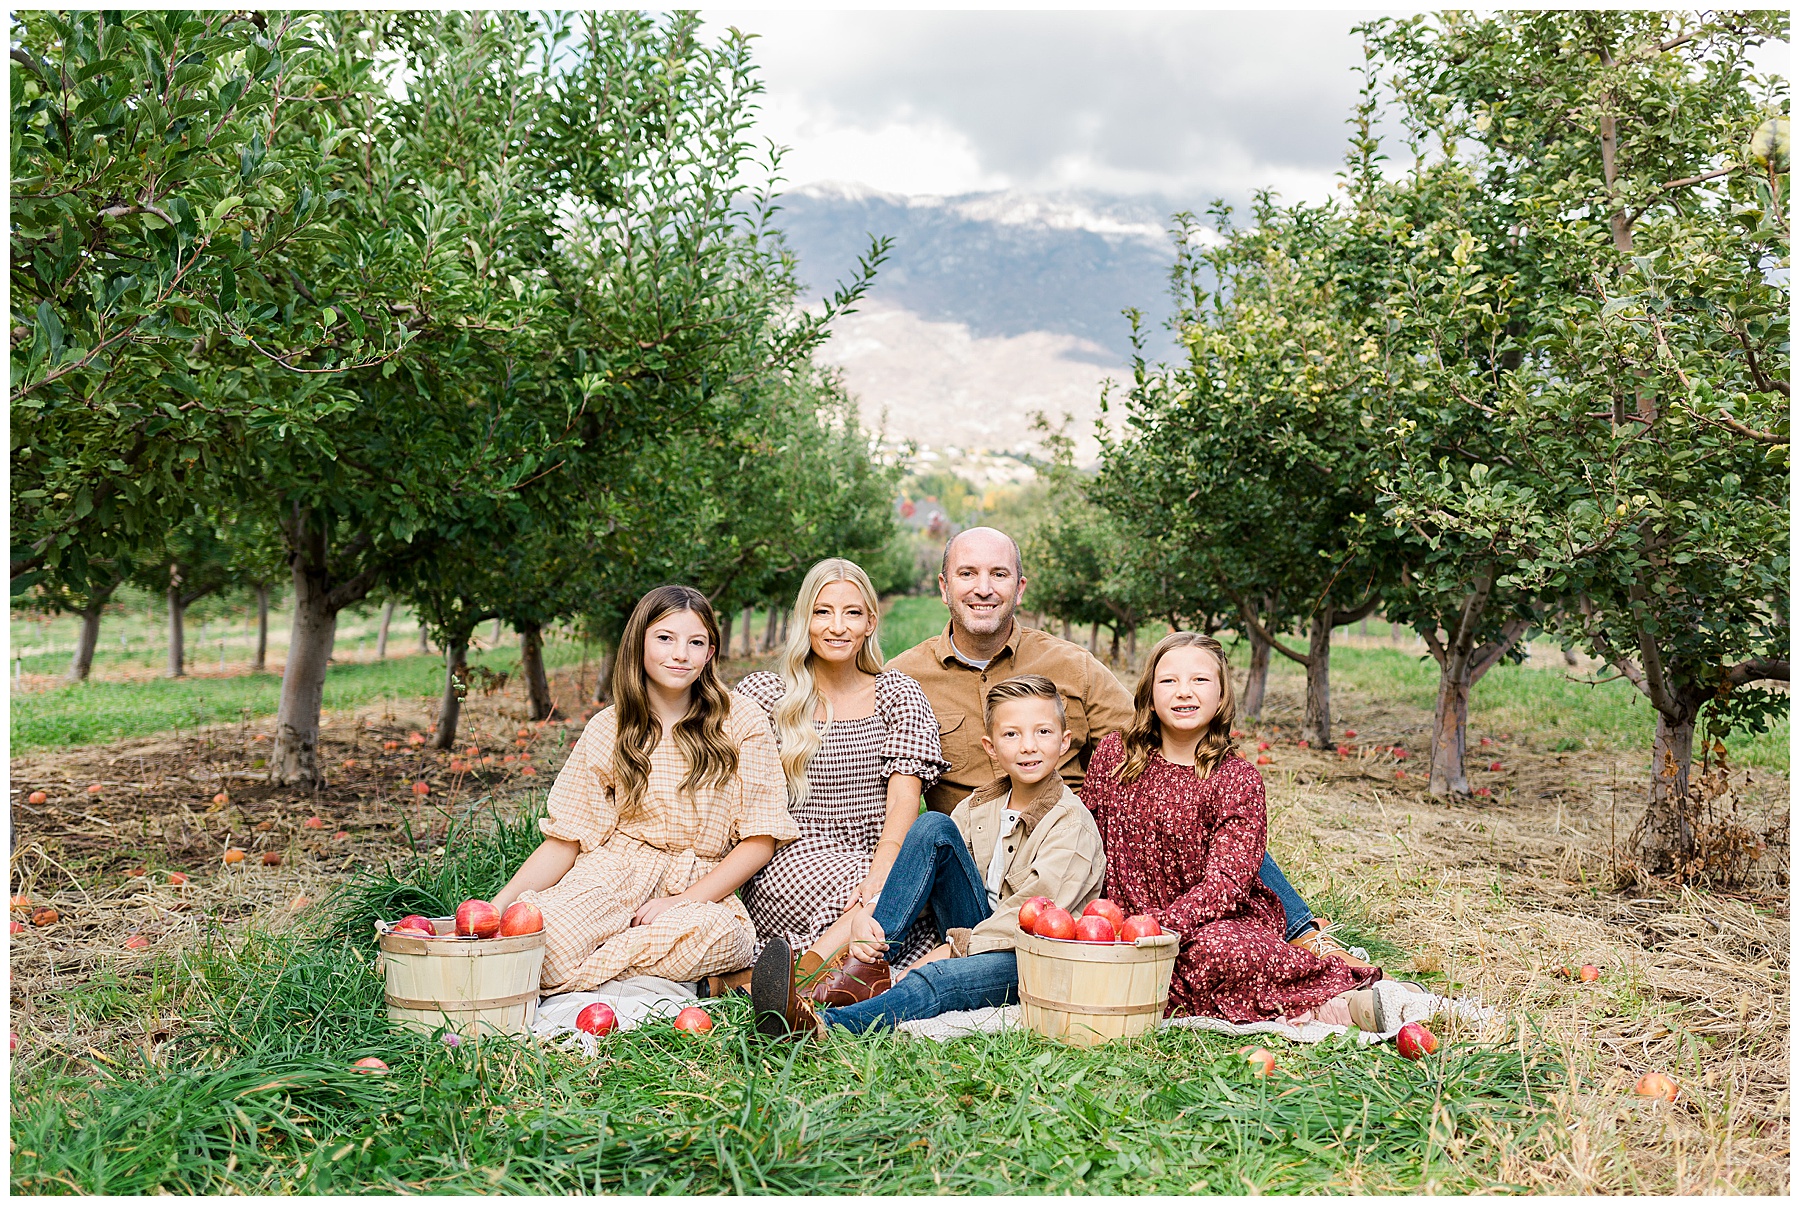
<point>935,828</point>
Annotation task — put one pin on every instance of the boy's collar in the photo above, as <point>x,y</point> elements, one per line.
<point>1033,803</point>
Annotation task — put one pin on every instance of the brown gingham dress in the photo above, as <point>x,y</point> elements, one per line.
<point>1187,850</point>
<point>588,935</point>
<point>808,885</point>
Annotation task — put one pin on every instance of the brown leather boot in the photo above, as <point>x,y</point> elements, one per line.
<point>851,982</point>
<point>780,1009</point>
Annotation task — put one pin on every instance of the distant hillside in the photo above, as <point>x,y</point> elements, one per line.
<point>1002,264</point>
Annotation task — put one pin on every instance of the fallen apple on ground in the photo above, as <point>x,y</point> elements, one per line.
<point>1655,1084</point>
<point>135,872</point>
<point>177,879</point>
<point>421,788</point>
<point>20,901</point>
<point>1260,1059</point>
<point>18,927</point>
<point>39,797</point>
<point>477,919</point>
<point>233,855</point>
<point>521,917</point>
<point>694,1020</point>
<point>1264,760</point>
<point>1031,910</point>
<point>1090,928</point>
<point>1055,922</point>
<point>95,789</point>
<point>45,916</point>
<point>314,822</point>
<point>1415,1042</point>
<point>370,1064</point>
<point>136,942</point>
<point>221,798</point>
<point>1588,973</point>
<point>597,1019</point>
<point>271,858</point>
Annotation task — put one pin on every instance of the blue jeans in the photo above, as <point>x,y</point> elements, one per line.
<point>934,867</point>
<point>1299,917</point>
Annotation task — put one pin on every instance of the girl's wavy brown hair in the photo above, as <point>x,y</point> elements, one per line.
<point>712,759</point>
<point>1144,735</point>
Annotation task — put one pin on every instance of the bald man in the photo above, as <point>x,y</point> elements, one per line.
<point>982,580</point>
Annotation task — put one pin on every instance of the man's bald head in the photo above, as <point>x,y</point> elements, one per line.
<point>984,541</point>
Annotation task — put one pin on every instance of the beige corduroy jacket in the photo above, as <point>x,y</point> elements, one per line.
<point>1053,851</point>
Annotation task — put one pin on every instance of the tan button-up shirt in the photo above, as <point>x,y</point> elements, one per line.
<point>1054,850</point>
<point>1095,701</point>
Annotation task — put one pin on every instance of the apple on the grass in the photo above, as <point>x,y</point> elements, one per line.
<point>521,917</point>
<point>1659,1086</point>
<point>1141,926</point>
<point>1415,1042</point>
<point>1031,910</point>
<point>1055,922</point>
<point>1107,909</point>
<point>597,1019</point>
<point>694,1020</point>
<point>1093,928</point>
<point>477,919</point>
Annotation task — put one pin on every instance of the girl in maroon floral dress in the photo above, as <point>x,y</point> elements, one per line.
<point>1185,827</point>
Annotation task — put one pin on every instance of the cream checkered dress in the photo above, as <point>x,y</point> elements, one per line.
<point>589,938</point>
<point>807,885</point>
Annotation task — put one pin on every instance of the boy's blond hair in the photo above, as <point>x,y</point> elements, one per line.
<point>1024,686</point>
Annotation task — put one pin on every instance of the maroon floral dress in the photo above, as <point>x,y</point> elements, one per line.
<point>1187,851</point>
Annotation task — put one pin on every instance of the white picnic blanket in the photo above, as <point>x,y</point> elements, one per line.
<point>635,1000</point>
<point>1397,1002</point>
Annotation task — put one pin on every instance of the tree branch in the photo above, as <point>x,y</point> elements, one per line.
<point>1488,656</point>
<point>1251,622</point>
<point>1773,669</point>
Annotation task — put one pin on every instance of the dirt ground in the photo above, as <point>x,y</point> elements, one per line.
<point>1488,898</point>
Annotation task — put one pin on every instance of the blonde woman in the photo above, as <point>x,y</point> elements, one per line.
<point>859,746</point>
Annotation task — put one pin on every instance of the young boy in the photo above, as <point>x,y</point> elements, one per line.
<point>1023,835</point>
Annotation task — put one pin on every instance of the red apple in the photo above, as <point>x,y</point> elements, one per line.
<point>1487,741</point>
<point>1482,791</point>
<point>521,918</point>
<point>1655,1084</point>
<point>369,1064</point>
<point>1589,973</point>
<point>1141,926</point>
<point>234,855</point>
<point>39,797</point>
<point>1349,732</point>
<point>20,901</point>
<point>413,923</point>
<point>45,916</point>
<point>137,942</point>
<point>1262,745</point>
<point>1264,760</point>
<point>1305,745</point>
<point>1055,922</point>
<point>221,798</point>
<point>1107,909</point>
<point>314,822</point>
<point>1031,910</point>
<point>477,919</point>
<point>95,789</point>
<point>1415,1042</point>
<point>1090,928</point>
<point>17,927</point>
<point>1260,1059</point>
<point>271,858</point>
<point>599,1018</point>
<point>421,788</point>
<point>1495,766</point>
<point>415,739</point>
<point>12,1039</point>
<point>694,1020</point>
<point>177,878</point>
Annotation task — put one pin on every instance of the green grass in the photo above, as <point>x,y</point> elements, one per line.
<point>255,1094</point>
<point>100,711</point>
<point>911,619</point>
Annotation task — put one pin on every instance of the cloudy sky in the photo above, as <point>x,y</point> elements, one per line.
<point>1171,104</point>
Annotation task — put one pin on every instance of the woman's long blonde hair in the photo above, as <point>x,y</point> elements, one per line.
<point>1143,736</point>
<point>700,735</point>
<point>800,697</point>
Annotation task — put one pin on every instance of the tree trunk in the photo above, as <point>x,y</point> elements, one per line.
<point>262,629</point>
<point>1569,656</point>
<point>387,617</point>
<point>770,629</point>
<point>1668,834</point>
<point>531,662</point>
<point>1114,655</point>
<point>603,686</point>
<point>1450,727</point>
<point>1094,638</point>
<point>1256,685</point>
<point>1316,727</point>
<point>749,631</point>
<point>456,686</point>
<point>724,633</point>
<point>177,650</point>
<point>83,662</point>
<point>295,762</point>
<point>1131,644</point>
<point>424,644</point>
<point>1065,624</point>
<point>784,625</point>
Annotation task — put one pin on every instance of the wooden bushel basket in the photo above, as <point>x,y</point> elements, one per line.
<point>475,986</point>
<point>1088,993</point>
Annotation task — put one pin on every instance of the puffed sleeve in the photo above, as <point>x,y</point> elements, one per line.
<point>911,746</point>
<point>765,687</point>
<point>1102,781</point>
<point>581,805</point>
<point>1234,851</point>
<point>759,805</point>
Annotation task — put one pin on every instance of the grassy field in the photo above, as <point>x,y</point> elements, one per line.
<point>255,1093</point>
